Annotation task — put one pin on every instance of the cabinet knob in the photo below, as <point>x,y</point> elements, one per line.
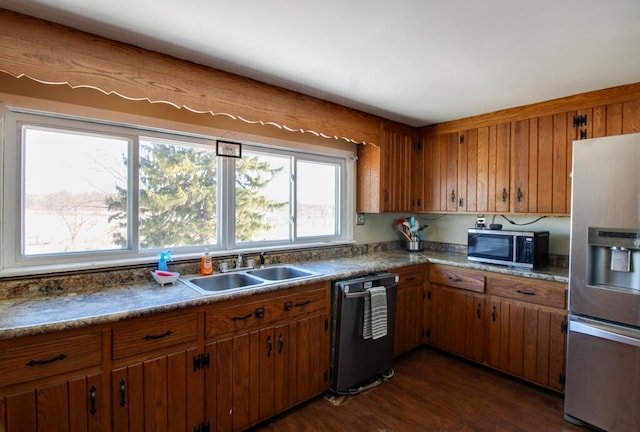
<point>519,195</point>
<point>453,196</point>
<point>504,195</point>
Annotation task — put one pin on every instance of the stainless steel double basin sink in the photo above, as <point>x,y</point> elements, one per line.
<point>250,278</point>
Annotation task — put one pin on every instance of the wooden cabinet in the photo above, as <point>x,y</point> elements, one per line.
<point>157,383</point>
<point>517,326</point>
<point>384,172</point>
<point>53,383</point>
<point>441,155</point>
<point>456,303</point>
<point>266,356</point>
<point>541,164</point>
<point>527,328</point>
<point>409,311</point>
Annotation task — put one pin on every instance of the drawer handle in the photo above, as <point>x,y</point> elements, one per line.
<point>478,311</point>
<point>281,340</point>
<point>493,314</point>
<point>160,336</point>
<point>260,312</point>
<point>123,392</point>
<point>304,303</point>
<point>269,346</point>
<point>288,306</point>
<point>456,279</point>
<point>92,398</point>
<point>44,362</point>
<point>409,279</point>
<point>529,293</point>
<point>242,318</point>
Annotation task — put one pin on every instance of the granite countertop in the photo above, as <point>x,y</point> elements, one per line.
<point>23,316</point>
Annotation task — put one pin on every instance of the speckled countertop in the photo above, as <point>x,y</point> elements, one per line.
<point>29,315</point>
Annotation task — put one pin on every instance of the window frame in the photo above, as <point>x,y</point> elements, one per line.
<point>11,196</point>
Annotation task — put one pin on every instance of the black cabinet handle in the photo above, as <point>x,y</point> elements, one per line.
<point>288,306</point>
<point>281,340</point>
<point>304,303</point>
<point>519,195</point>
<point>92,400</point>
<point>453,195</point>
<point>32,363</point>
<point>260,312</point>
<point>269,346</point>
<point>160,336</point>
<point>478,310</point>
<point>493,314</point>
<point>461,202</point>
<point>529,293</point>
<point>242,318</point>
<point>504,195</point>
<point>123,392</point>
<point>452,279</point>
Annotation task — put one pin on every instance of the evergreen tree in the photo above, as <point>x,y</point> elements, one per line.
<point>178,197</point>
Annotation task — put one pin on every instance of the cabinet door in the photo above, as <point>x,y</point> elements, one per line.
<point>397,146</point>
<point>75,405</point>
<point>260,373</point>
<point>541,163</point>
<point>442,152</point>
<point>408,332</point>
<point>474,327</point>
<point>164,393</point>
<point>527,341</point>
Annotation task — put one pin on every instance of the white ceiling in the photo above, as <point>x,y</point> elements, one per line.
<point>415,61</point>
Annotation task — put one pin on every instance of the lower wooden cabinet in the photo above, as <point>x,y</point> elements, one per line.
<point>456,299</point>
<point>164,393</point>
<point>517,326</point>
<point>410,307</point>
<point>77,404</point>
<point>527,335</point>
<point>275,362</point>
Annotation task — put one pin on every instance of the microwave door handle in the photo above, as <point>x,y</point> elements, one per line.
<point>515,249</point>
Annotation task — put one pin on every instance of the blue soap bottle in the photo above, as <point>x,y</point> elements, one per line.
<point>164,258</point>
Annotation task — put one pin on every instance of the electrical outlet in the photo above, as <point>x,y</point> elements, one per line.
<point>360,219</point>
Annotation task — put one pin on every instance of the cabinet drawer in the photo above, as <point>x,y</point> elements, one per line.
<point>456,277</point>
<point>268,311</point>
<point>547,293</point>
<point>153,333</point>
<point>411,275</point>
<point>39,360</point>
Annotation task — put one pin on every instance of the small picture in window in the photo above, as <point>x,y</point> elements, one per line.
<point>228,149</point>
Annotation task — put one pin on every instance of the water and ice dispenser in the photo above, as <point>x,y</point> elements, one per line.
<point>614,258</point>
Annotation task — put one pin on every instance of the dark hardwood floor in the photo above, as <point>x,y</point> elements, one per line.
<point>432,391</point>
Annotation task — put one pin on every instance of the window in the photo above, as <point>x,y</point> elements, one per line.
<point>78,190</point>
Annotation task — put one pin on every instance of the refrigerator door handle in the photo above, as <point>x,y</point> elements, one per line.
<point>603,334</point>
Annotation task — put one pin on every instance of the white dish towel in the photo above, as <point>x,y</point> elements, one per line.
<point>374,325</point>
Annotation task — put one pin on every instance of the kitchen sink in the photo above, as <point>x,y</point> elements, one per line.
<point>279,273</point>
<point>240,279</point>
<point>222,282</point>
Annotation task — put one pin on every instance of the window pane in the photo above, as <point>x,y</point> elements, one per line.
<point>316,199</point>
<point>69,180</point>
<point>177,195</point>
<point>263,197</point>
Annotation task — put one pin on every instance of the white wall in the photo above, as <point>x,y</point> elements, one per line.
<point>452,228</point>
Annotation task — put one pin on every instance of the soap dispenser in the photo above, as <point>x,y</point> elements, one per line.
<point>206,264</point>
<point>164,258</point>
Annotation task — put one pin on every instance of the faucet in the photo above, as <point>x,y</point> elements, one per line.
<point>239,261</point>
<point>261,259</point>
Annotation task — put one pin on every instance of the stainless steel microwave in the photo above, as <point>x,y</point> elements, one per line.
<point>528,249</point>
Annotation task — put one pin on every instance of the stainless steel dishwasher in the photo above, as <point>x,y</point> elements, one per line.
<point>354,358</point>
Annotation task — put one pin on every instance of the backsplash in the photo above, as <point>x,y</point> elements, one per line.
<point>79,282</point>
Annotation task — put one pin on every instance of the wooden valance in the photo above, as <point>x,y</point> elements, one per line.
<point>55,54</point>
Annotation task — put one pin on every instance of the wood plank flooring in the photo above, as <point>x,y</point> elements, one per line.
<point>432,391</point>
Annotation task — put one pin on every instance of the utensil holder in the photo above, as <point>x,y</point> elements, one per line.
<point>415,246</point>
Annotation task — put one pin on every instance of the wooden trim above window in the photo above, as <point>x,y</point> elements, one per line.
<point>56,54</point>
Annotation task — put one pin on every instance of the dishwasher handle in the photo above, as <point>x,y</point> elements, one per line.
<point>361,294</point>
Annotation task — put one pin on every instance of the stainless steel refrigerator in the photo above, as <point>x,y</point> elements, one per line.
<point>602,386</point>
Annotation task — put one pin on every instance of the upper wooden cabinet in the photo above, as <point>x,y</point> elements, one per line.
<point>384,172</point>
